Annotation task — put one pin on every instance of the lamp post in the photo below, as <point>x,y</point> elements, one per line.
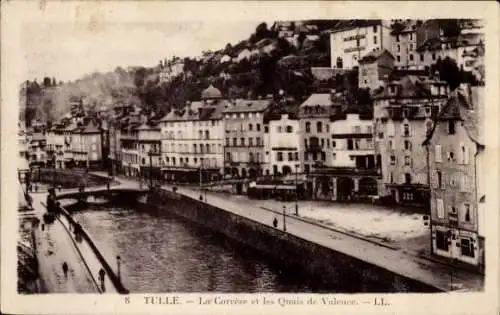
<point>118,259</point>
<point>284,220</point>
<point>54,171</point>
<point>201,188</point>
<point>296,190</point>
<point>150,167</point>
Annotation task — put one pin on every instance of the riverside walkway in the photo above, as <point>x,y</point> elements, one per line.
<point>396,260</point>
<point>55,245</point>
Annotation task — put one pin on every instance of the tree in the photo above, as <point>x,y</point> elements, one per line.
<point>301,38</point>
<point>449,72</point>
<point>46,81</point>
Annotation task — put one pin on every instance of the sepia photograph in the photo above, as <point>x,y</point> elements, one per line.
<point>290,156</point>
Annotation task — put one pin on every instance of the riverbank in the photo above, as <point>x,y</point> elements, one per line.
<point>318,245</point>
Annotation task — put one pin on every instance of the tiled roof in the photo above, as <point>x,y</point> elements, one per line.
<point>240,106</point>
<point>211,92</point>
<point>410,86</point>
<point>91,128</point>
<point>321,99</point>
<point>469,108</point>
<point>209,111</point>
<point>374,55</point>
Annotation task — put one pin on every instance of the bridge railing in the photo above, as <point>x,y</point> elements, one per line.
<point>85,235</point>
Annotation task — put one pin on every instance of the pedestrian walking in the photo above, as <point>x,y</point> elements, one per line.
<point>275,222</point>
<point>65,269</point>
<point>102,274</point>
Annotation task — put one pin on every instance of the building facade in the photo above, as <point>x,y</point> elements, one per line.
<point>149,150</point>
<point>351,42</point>
<point>192,139</point>
<point>244,137</point>
<point>283,146</point>
<point>374,69</point>
<point>129,150</point>
<point>403,114</point>
<point>455,156</point>
<point>86,145</point>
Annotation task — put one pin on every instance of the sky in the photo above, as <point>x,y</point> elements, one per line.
<point>68,51</point>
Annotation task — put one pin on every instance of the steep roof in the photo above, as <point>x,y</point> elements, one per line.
<point>374,55</point>
<point>467,106</point>
<point>240,106</point>
<point>211,93</point>
<point>321,99</point>
<point>410,86</point>
<point>91,128</point>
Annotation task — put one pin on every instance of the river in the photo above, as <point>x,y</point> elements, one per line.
<point>163,253</point>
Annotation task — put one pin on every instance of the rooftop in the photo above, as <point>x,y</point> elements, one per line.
<point>240,106</point>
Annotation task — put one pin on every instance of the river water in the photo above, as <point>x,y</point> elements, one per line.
<point>163,253</point>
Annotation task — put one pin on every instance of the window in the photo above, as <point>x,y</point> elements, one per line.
<point>328,143</point>
<point>242,142</point>
<point>227,141</point>
<point>322,142</point>
<point>466,213</point>
<point>305,143</point>
<point>411,55</point>
<point>406,130</point>
<point>407,145</point>
<point>349,144</point>
<point>441,241</point>
<point>323,156</point>
<point>407,160</point>
<point>375,40</point>
<point>235,142</point>
<point>334,156</point>
<point>451,127</point>
<point>257,126</point>
<point>308,127</point>
<point>258,140</point>
<point>327,128</point>
<point>357,144</point>
<point>465,183</point>
<point>306,156</point>
<point>466,247</point>
<point>397,38</point>
<point>422,57</point>
<point>334,144</point>
<point>407,178</point>
<point>411,36</point>
<point>374,28</point>
<point>296,156</point>
<point>207,134</point>
<point>398,57</point>
<point>451,156</point>
<point>438,153</point>
<point>250,142</point>
<point>439,179</point>
<point>369,129</point>
<point>357,129</point>
<point>279,156</point>
<point>194,148</point>
<point>279,129</point>
<point>290,156</point>
<point>464,154</point>
<point>306,168</point>
<point>393,160</point>
<point>266,129</point>
<point>440,208</point>
<point>433,56</point>
<point>399,48</point>
<point>381,135</point>
<point>289,129</point>
<point>319,126</point>
<point>250,127</point>
<point>390,145</point>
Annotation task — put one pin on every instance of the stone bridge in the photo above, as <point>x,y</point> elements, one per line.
<point>113,195</point>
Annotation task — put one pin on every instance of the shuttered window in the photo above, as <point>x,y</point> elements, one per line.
<point>440,208</point>
<point>438,154</point>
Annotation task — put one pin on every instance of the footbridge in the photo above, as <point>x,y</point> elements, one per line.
<point>115,195</point>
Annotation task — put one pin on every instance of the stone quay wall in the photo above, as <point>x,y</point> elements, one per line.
<point>332,268</point>
<point>68,178</point>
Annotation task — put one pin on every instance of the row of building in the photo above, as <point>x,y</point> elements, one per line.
<point>421,145</point>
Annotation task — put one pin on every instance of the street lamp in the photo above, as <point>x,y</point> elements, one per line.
<point>118,259</point>
<point>284,220</point>
<point>296,190</point>
<point>150,153</point>
<point>201,189</point>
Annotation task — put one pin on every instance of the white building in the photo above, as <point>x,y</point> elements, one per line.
<point>192,138</point>
<point>282,146</point>
<point>352,142</point>
<point>149,149</point>
<point>353,40</point>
